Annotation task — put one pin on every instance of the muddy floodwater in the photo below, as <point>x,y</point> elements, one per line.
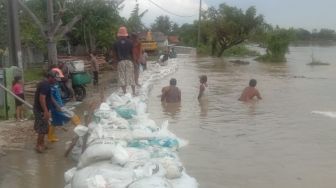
<point>273,143</point>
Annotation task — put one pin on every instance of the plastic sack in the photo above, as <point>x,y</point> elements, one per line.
<point>185,181</point>
<point>104,106</point>
<point>103,173</point>
<point>99,151</point>
<point>152,182</point>
<point>81,130</point>
<point>165,142</point>
<point>165,133</point>
<point>120,156</point>
<point>138,143</point>
<point>114,100</point>
<point>125,112</point>
<point>68,175</point>
<point>97,181</point>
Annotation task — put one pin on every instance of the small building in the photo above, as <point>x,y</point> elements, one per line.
<point>173,40</point>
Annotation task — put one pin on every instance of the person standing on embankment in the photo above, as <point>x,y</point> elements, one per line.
<point>42,102</point>
<point>123,49</point>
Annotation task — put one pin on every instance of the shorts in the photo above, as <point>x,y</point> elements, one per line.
<point>126,73</point>
<point>59,118</point>
<point>18,102</point>
<point>40,124</point>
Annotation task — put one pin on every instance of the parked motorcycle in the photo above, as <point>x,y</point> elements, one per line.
<point>79,78</point>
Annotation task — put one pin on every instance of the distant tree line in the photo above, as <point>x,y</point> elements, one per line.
<point>222,27</point>
<point>322,35</point>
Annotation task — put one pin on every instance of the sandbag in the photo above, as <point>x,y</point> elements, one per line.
<point>152,182</point>
<point>120,156</point>
<point>125,112</point>
<point>102,174</point>
<point>68,175</point>
<point>101,150</point>
<point>81,130</point>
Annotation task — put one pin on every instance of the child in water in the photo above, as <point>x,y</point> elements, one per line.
<point>203,90</point>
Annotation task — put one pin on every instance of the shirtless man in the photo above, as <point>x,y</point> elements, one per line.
<point>171,93</point>
<point>250,92</point>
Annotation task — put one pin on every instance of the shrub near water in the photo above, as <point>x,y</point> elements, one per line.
<point>277,43</point>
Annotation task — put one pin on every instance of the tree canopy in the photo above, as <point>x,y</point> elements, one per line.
<point>230,26</point>
<point>165,25</point>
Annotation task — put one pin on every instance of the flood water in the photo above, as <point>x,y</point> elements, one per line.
<point>275,142</point>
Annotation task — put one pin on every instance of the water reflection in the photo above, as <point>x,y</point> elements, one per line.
<point>171,109</point>
<point>204,106</point>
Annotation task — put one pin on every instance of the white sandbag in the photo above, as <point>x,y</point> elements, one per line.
<point>76,151</point>
<point>81,130</point>
<point>141,108</point>
<point>172,167</point>
<point>120,156</point>
<point>165,133</point>
<point>185,181</point>
<point>142,121</point>
<point>114,134</point>
<point>68,175</point>
<point>99,151</point>
<point>142,134</point>
<point>104,106</point>
<point>136,154</point>
<point>110,175</point>
<point>152,182</point>
<point>97,181</point>
<point>114,100</point>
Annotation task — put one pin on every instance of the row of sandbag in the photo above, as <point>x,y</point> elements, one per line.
<point>125,148</point>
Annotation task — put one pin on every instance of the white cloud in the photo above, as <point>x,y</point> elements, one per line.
<point>179,7</point>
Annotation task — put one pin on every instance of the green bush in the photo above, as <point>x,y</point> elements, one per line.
<point>33,74</point>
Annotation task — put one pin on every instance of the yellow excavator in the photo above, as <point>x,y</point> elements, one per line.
<point>148,44</point>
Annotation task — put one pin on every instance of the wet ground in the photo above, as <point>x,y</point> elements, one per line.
<point>22,167</point>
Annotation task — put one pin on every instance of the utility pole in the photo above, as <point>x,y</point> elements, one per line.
<point>15,54</point>
<point>199,24</point>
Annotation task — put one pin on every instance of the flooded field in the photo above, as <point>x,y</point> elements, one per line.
<point>275,142</point>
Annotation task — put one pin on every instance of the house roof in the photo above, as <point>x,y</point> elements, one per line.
<point>173,39</point>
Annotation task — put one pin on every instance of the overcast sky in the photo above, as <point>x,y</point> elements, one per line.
<point>308,14</point>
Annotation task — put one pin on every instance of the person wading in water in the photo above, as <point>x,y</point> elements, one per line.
<point>171,93</point>
<point>250,92</point>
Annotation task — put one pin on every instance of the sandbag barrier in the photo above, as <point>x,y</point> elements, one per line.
<point>127,149</point>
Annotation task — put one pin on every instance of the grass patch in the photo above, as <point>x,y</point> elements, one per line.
<point>33,74</point>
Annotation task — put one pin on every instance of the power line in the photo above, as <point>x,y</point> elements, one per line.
<point>172,13</point>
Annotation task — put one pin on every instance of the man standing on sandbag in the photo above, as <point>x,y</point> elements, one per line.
<point>123,50</point>
<point>42,102</point>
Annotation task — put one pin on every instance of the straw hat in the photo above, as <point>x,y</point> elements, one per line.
<point>122,32</point>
